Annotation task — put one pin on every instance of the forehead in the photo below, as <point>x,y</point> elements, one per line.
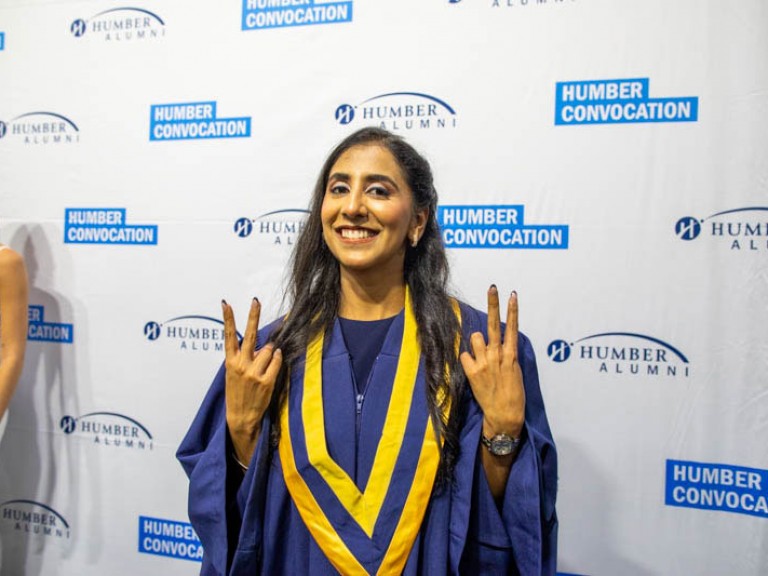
<point>368,159</point>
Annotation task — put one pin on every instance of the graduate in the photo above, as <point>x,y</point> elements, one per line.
<point>381,426</point>
<point>14,295</point>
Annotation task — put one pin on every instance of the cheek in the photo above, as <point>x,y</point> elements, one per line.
<point>326,214</point>
<point>402,218</point>
<point>326,220</point>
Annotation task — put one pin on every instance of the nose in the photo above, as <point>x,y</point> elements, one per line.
<point>354,206</point>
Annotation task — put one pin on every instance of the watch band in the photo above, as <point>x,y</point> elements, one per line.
<point>501,444</point>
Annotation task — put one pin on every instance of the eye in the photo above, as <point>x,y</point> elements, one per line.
<point>378,191</point>
<point>338,188</point>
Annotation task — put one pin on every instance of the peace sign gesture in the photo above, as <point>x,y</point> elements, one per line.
<point>250,379</point>
<point>494,372</point>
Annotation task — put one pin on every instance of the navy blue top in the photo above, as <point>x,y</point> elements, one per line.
<point>364,339</point>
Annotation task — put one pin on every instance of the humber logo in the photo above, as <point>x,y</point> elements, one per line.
<point>399,111</point>
<point>716,486</point>
<point>169,538</point>
<point>279,226</point>
<point>193,332</point>
<point>261,14</point>
<point>152,330</point>
<point>740,228</point>
<point>109,429</point>
<point>120,24</point>
<point>105,226</point>
<point>243,227</point>
<point>497,226</point>
<point>618,101</point>
<point>41,128</point>
<point>688,228</point>
<point>31,517</point>
<point>625,353</point>
<point>38,330</point>
<point>194,121</point>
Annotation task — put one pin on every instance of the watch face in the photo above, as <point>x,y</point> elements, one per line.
<point>501,445</point>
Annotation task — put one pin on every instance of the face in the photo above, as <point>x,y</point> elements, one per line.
<point>367,212</point>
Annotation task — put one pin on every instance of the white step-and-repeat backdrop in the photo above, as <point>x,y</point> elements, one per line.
<point>607,159</point>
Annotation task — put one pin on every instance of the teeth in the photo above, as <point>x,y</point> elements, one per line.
<point>356,233</point>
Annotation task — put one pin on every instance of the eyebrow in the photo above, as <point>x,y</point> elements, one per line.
<point>368,178</point>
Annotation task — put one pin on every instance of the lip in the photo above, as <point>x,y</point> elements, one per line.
<point>371,234</point>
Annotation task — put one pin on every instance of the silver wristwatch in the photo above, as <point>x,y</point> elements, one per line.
<point>501,444</point>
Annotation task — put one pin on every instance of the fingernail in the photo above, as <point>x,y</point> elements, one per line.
<point>514,292</point>
<point>493,287</point>
<point>255,300</point>
<point>223,303</point>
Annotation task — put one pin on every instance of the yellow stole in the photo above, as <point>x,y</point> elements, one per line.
<point>365,506</point>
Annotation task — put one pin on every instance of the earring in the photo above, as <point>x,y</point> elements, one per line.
<point>415,240</point>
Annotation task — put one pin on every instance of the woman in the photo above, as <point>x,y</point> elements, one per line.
<point>13,325</point>
<point>381,426</point>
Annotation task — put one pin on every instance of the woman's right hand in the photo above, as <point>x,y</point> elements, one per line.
<point>250,380</point>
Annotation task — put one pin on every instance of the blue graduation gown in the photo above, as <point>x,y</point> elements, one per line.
<point>249,525</point>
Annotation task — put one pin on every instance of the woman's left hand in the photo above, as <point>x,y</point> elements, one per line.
<point>494,372</point>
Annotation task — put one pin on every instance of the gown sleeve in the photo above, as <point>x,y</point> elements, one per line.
<point>520,535</point>
<point>225,506</point>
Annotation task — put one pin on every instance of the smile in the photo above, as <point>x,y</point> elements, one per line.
<point>356,233</point>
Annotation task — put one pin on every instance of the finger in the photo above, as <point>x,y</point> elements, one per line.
<point>511,330</point>
<point>230,332</point>
<point>263,358</point>
<point>274,366</point>
<point>477,344</point>
<point>494,319</point>
<point>252,328</point>
<point>467,362</point>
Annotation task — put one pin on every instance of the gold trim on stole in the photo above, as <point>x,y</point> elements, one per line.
<point>364,507</point>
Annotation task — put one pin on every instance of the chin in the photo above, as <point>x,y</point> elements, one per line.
<point>356,266</point>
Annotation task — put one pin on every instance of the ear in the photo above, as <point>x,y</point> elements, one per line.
<point>418,223</point>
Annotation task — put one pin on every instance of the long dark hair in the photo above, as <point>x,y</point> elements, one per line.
<point>314,291</point>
